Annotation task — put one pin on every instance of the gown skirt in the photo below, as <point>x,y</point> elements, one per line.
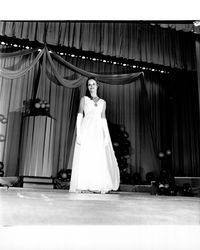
<point>94,165</point>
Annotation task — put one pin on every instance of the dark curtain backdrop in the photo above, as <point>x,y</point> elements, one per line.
<point>197,44</point>
<point>132,40</point>
<point>185,124</point>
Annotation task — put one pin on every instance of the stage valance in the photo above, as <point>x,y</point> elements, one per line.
<point>138,41</point>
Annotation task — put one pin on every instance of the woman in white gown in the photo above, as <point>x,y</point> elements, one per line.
<point>94,166</point>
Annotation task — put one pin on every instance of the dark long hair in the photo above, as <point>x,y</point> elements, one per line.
<point>87,90</point>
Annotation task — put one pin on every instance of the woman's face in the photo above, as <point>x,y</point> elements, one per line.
<point>92,86</point>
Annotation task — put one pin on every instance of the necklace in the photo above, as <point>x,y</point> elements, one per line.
<point>95,100</point>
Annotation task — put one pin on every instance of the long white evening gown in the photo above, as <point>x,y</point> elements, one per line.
<point>94,165</point>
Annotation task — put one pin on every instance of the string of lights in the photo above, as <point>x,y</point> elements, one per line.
<point>15,45</point>
<point>91,56</point>
<point>117,61</point>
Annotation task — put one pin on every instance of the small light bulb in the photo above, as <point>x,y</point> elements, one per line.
<point>168,152</point>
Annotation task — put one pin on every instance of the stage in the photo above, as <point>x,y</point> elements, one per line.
<point>20,206</point>
<point>56,219</point>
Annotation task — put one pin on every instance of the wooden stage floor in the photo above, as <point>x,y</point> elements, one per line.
<point>56,219</point>
<point>20,206</point>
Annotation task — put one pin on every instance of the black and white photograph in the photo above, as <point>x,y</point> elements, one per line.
<point>99,134</point>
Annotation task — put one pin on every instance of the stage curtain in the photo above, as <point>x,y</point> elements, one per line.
<point>197,43</point>
<point>132,40</point>
<point>12,94</point>
<point>185,124</point>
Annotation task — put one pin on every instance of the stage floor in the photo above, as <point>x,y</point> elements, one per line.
<point>20,206</point>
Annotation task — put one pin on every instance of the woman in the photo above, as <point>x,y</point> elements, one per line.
<point>94,167</point>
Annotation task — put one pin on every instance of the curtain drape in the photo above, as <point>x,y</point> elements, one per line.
<point>12,94</point>
<point>197,43</point>
<point>185,124</point>
<point>132,40</point>
<point>119,79</point>
<point>10,74</point>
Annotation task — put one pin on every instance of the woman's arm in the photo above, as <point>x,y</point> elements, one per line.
<point>79,120</point>
<point>103,113</point>
<point>105,125</point>
<point>81,105</point>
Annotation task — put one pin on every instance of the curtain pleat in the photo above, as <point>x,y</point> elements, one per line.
<point>13,93</point>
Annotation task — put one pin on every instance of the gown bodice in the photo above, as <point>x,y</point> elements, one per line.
<point>92,110</point>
